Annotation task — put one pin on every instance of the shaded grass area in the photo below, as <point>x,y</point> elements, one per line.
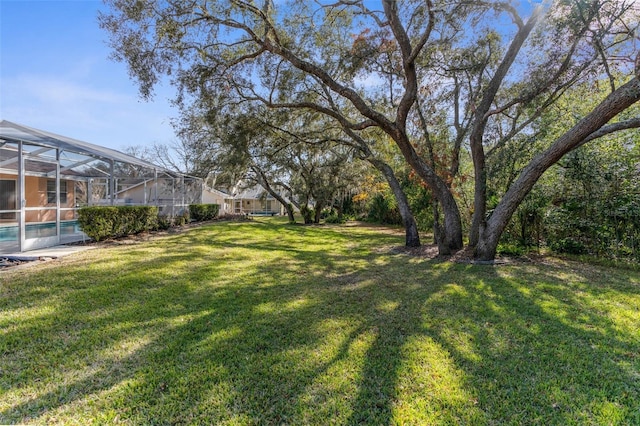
<point>267,323</point>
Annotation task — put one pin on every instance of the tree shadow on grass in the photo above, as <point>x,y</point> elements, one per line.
<point>138,302</point>
<point>539,350</point>
<point>347,336</point>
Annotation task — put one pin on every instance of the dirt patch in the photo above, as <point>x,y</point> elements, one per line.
<point>7,262</point>
<point>430,251</point>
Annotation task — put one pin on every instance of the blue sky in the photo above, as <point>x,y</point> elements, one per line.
<point>56,75</point>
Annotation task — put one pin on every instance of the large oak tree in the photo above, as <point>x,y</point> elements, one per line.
<point>495,68</point>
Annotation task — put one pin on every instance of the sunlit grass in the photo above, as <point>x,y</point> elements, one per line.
<point>267,323</point>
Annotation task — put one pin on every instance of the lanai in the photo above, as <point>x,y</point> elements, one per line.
<point>45,178</point>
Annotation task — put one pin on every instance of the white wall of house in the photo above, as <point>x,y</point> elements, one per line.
<point>213,196</point>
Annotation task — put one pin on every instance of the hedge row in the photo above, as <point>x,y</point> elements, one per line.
<point>116,221</point>
<point>102,222</point>
<point>200,212</point>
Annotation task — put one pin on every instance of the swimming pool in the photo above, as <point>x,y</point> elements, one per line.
<point>39,230</point>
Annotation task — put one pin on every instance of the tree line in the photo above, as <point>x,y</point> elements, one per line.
<point>478,100</point>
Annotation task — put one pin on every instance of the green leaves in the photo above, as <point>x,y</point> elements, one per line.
<point>110,222</point>
<point>201,212</point>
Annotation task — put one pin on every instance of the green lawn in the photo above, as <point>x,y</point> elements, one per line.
<point>267,323</point>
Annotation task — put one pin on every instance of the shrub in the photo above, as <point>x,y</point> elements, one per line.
<point>383,210</point>
<point>334,218</point>
<point>201,212</point>
<point>307,214</point>
<point>164,222</point>
<point>135,219</point>
<point>511,249</point>
<point>96,222</point>
<point>568,246</point>
<point>182,219</point>
<point>116,221</point>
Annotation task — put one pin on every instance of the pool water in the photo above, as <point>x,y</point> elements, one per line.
<point>39,230</point>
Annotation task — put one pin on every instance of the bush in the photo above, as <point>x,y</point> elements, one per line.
<point>96,222</point>
<point>334,218</point>
<point>307,214</point>
<point>116,221</point>
<point>383,210</point>
<point>135,219</point>
<point>164,223</point>
<point>183,218</point>
<point>568,246</point>
<point>201,212</point>
<point>511,249</point>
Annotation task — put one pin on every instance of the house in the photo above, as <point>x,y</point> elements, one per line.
<point>45,178</point>
<point>250,201</point>
<point>214,196</point>
<point>255,201</point>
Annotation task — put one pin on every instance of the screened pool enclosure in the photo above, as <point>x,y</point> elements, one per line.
<point>45,178</point>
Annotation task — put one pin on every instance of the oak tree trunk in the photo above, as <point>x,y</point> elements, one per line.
<point>412,237</point>
<point>612,105</point>
<point>262,178</point>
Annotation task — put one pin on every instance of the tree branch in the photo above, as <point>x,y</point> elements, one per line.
<point>632,123</point>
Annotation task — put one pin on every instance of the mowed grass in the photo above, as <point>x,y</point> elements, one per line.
<point>267,323</point>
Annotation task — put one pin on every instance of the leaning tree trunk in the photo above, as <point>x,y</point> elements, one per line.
<point>265,183</point>
<point>612,105</point>
<point>438,232</point>
<point>450,238</point>
<point>451,235</point>
<point>290,213</point>
<point>452,225</point>
<point>412,237</point>
<point>452,231</point>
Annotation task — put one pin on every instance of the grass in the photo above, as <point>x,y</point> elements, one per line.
<point>267,323</point>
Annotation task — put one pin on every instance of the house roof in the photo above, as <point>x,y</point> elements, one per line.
<point>13,132</point>
<point>255,192</point>
<point>216,191</point>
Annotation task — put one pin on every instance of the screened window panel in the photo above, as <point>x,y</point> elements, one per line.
<point>7,198</point>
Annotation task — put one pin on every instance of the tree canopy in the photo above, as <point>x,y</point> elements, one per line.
<point>440,79</point>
